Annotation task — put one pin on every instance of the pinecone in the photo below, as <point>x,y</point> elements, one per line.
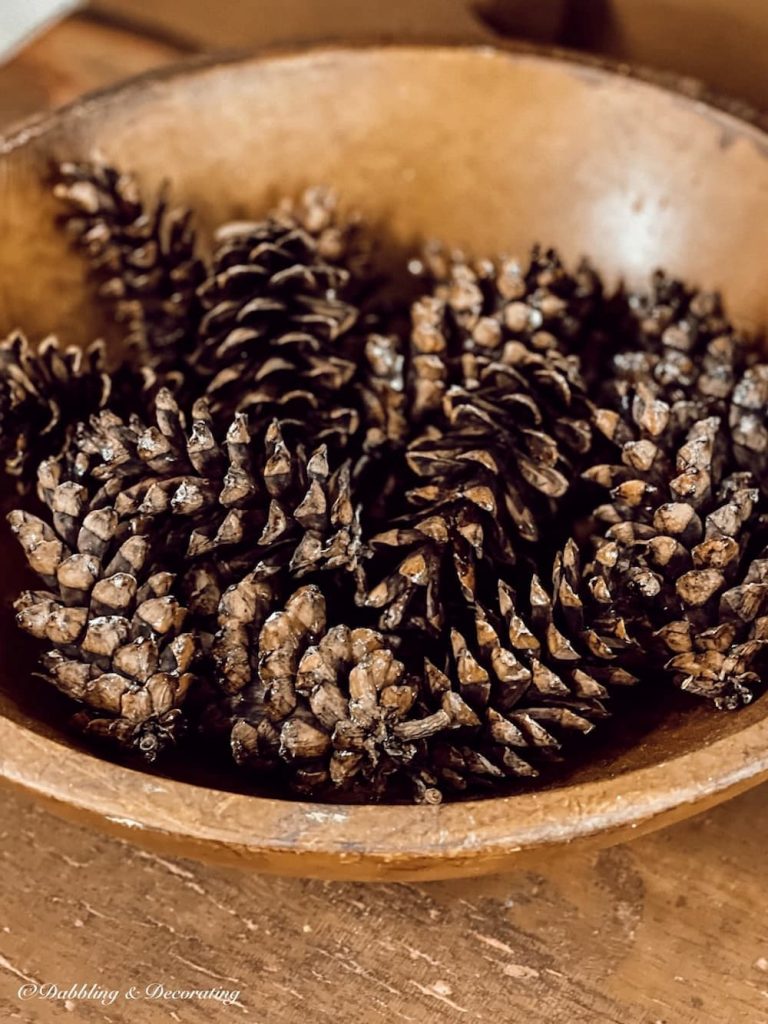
<point>42,395</point>
<point>329,704</point>
<point>251,495</point>
<point>144,256</point>
<point>679,362</point>
<point>748,419</point>
<point>519,683</point>
<point>683,560</point>
<point>504,408</point>
<point>524,668</point>
<point>680,507</point>
<point>566,305</point>
<point>109,617</point>
<point>487,378</point>
<point>276,337</point>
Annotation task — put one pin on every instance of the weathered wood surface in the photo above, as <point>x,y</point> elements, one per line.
<point>671,929</point>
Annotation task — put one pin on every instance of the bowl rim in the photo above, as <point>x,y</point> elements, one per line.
<point>464,837</point>
<point>711,102</point>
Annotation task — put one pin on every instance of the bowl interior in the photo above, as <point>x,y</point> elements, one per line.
<point>491,151</point>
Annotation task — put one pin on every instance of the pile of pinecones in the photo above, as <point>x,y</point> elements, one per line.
<point>379,562</point>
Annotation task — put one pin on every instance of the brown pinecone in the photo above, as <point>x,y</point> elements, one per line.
<point>527,666</point>
<point>143,254</point>
<point>244,495</point>
<point>276,336</point>
<point>679,361</point>
<point>684,526</point>
<point>331,705</point>
<point>43,394</point>
<point>558,302</point>
<point>518,684</point>
<point>109,617</point>
<point>503,407</point>
<point>507,422</point>
<point>504,424</point>
<point>748,420</point>
<point>683,560</point>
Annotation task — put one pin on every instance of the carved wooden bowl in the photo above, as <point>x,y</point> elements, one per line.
<point>491,150</point>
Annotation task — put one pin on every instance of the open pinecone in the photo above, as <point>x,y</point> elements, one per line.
<point>503,406</point>
<point>329,705</point>
<point>507,423</point>
<point>515,664</point>
<point>242,495</point>
<point>42,395</point>
<point>113,629</point>
<point>283,271</point>
<point>748,420</point>
<point>144,257</point>
<point>678,362</point>
<point>683,558</point>
<point>275,338</point>
<point>378,562</point>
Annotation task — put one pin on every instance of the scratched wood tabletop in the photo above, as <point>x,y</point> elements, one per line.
<point>671,929</point>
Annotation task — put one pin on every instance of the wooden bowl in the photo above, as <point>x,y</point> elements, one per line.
<point>492,150</point>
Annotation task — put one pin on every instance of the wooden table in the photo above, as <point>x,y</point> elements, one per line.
<point>671,929</point>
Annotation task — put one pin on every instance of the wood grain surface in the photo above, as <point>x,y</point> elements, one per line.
<point>671,929</point>
<point>668,930</point>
